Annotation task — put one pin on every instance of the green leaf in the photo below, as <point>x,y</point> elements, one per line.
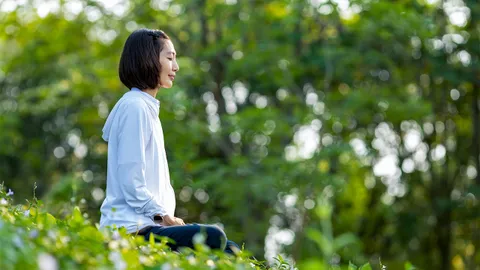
<point>352,266</point>
<point>409,266</point>
<point>366,267</point>
<point>313,264</point>
<point>322,242</point>
<point>50,220</point>
<point>344,240</point>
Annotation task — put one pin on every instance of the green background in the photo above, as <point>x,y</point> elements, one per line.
<point>342,130</point>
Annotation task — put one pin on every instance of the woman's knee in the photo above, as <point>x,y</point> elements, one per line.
<point>216,237</point>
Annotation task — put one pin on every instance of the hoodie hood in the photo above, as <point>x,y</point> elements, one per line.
<point>135,93</point>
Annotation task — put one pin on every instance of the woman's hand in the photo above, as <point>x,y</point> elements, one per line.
<point>172,221</point>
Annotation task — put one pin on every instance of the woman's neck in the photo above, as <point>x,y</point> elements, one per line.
<point>152,92</point>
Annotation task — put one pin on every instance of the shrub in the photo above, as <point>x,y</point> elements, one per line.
<point>32,238</point>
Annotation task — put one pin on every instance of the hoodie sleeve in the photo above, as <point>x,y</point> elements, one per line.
<point>134,132</point>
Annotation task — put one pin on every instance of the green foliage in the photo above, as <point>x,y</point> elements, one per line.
<point>349,130</point>
<point>34,239</point>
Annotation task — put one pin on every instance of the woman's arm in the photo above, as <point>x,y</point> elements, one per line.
<point>134,132</point>
<point>132,182</point>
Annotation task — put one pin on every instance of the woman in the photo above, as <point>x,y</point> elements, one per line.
<point>140,196</point>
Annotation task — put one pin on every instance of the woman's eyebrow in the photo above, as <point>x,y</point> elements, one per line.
<point>171,52</point>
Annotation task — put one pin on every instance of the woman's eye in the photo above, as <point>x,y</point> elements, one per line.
<point>170,59</point>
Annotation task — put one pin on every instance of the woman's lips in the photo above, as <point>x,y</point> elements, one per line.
<point>171,77</point>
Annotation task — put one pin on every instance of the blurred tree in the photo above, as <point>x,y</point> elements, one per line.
<point>372,104</point>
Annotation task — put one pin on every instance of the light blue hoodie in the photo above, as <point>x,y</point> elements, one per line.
<point>138,179</point>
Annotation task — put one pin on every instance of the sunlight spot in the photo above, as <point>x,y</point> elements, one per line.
<point>282,94</point>
<point>8,6</point>
<point>307,141</point>
<point>428,128</point>
<point>237,55</point>
<point>201,196</point>
<point>408,166</point>
<point>261,102</point>
<point>359,147</point>
<point>290,153</point>
<point>319,108</point>
<point>290,200</point>
<point>185,194</point>
<point>87,176</point>
<point>309,204</point>
<point>471,172</point>
<point>325,9</point>
<point>46,7</point>
<point>285,237</point>
<point>387,199</point>
<point>73,139</point>
<point>386,166</point>
<point>464,57</point>
<point>235,137</point>
<point>316,124</point>
<point>311,98</point>
<point>439,127</point>
<point>81,151</point>
<point>132,26</point>
<point>59,152</point>
<point>458,18</point>
<point>438,152</point>
<point>454,94</point>
<point>98,194</point>
<point>240,92</point>
<point>412,139</point>
<point>93,13</point>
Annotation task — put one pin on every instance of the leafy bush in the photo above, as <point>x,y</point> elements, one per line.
<point>32,238</point>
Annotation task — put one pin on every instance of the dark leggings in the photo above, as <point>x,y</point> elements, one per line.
<point>183,236</point>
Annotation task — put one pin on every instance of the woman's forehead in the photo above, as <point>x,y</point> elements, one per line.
<point>168,48</point>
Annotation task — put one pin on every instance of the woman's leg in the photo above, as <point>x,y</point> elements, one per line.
<point>232,248</point>
<point>183,235</point>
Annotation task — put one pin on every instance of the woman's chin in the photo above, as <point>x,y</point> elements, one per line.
<point>166,85</point>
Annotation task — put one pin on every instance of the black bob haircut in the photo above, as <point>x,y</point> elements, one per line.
<point>140,61</point>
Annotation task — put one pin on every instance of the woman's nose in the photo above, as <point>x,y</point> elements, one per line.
<point>175,66</point>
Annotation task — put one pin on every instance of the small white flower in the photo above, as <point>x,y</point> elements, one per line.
<point>143,259</point>
<point>115,235</point>
<point>211,264</point>
<point>10,192</point>
<point>47,262</point>
<point>3,201</point>
<point>166,266</point>
<point>113,245</point>
<point>191,260</point>
<point>52,234</point>
<point>117,260</point>
<point>26,213</point>
<point>64,239</point>
<point>124,243</point>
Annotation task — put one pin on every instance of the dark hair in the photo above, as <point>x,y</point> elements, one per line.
<point>140,61</point>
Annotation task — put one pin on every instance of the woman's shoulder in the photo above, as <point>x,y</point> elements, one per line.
<point>134,104</point>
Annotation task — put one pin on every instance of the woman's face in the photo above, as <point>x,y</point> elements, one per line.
<point>168,61</point>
